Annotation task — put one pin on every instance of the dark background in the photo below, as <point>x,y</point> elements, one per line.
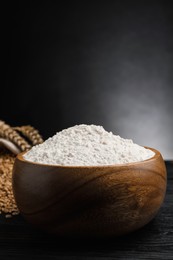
<point>102,62</point>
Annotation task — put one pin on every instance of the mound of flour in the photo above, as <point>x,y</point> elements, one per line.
<point>87,145</point>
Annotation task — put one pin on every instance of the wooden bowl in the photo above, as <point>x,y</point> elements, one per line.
<point>94,201</point>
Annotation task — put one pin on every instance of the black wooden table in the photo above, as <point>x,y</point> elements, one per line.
<point>18,240</point>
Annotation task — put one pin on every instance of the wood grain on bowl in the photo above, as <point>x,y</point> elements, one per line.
<point>90,201</point>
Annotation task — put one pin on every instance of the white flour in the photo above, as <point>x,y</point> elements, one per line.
<point>87,145</point>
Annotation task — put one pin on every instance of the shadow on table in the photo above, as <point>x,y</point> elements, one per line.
<point>25,236</point>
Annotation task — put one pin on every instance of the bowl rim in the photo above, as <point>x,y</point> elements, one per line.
<point>156,155</point>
